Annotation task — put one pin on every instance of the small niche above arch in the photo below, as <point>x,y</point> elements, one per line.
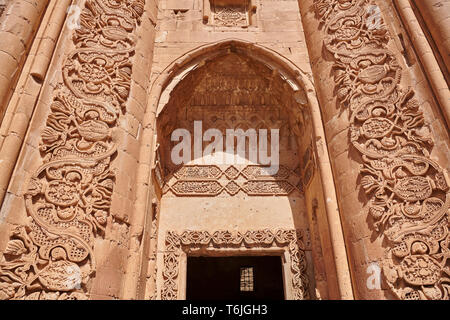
<point>229,13</point>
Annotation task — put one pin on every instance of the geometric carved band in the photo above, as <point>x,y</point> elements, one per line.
<point>176,243</point>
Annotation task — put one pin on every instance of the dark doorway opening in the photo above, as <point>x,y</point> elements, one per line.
<point>234,278</point>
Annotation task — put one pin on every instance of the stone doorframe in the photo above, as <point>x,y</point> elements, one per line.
<point>287,243</point>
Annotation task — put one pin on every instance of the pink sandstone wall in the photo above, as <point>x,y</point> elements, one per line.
<point>18,25</point>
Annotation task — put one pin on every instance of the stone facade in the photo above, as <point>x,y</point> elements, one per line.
<point>93,206</point>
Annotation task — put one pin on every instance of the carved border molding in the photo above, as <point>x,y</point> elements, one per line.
<point>408,192</point>
<point>69,197</point>
<point>177,243</point>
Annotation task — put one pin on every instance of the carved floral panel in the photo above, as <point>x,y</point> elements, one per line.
<point>290,239</point>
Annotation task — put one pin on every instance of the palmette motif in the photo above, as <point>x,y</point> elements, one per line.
<point>69,197</point>
<point>408,192</point>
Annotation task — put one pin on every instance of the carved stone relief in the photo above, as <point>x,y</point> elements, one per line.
<point>230,92</point>
<point>69,197</point>
<point>230,17</point>
<point>2,8</point>
<point>289,239</point>
<point>230,13</point>
<point>212,180</point>
<point>408,192</point>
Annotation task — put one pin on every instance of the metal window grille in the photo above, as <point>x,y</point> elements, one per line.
<point>247,279</point>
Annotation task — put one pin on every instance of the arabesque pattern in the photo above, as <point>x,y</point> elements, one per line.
<point>69,197</point>
<point>409,192</point>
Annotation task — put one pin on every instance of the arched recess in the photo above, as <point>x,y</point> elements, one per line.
<point>332,267</point>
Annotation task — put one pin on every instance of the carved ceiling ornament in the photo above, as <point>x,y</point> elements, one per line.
<point>69,197</point>
<point>290,239</point>
<point>409,193</point>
